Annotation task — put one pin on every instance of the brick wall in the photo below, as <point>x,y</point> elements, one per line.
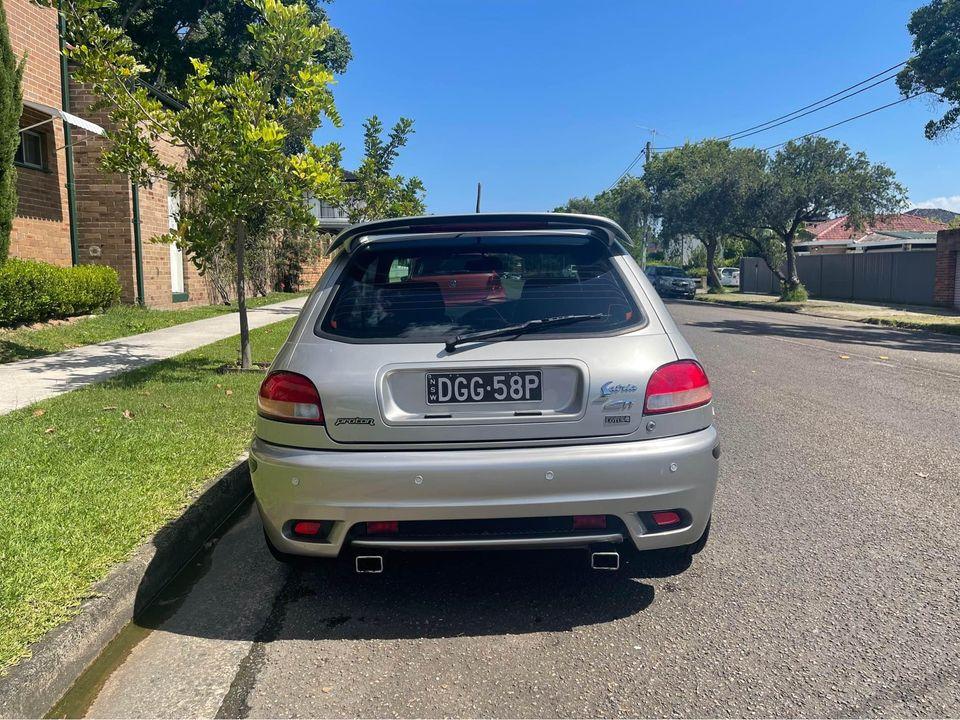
<point>945,281</point>
<point>312,272</point>
<point>41,229</point>
<point>105,219</point>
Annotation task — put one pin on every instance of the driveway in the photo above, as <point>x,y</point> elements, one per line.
<point>830,587</point>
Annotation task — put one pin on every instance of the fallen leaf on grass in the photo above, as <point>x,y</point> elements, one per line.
<point>228,392</point>
<point>164,405</point>
<point>39,412</point>
<point>49,430</point>
<point>109,407</point>
<point>219,385</point>
<point>128,415</point>
<point>144,392</point>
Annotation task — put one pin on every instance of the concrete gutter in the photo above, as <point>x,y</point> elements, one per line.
<point>33,687</point>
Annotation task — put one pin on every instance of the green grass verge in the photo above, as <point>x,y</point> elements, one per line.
<point>951,328</point>
<point>83,484</point>
<point>119,321</point>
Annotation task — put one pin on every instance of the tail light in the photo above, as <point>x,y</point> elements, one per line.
<point>589,522</point>
<point>383,527</point>
<point>289,397</point>
<point>677,386</point>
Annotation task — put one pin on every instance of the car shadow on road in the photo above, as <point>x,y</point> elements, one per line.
<point>886,338</point>
<point>243,594</point>
<point>464,594</point>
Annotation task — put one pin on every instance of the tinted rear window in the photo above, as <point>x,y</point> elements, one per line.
<point>428,290</point>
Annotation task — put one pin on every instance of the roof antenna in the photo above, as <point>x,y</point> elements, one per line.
<point>478,197</point>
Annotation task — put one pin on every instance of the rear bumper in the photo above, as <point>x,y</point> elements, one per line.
<point>620,479</point>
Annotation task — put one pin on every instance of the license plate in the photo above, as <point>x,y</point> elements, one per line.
<point>484,387</point>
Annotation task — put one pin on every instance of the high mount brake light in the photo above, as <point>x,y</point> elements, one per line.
<point>679,385</point>
<point>289,397</point>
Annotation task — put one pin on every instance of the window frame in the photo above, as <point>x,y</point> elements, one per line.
<point>21,150</point>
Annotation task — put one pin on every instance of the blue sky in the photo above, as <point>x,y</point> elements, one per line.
<point>544,100</point>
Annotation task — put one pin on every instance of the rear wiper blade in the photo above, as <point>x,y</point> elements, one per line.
<point>519,329</point>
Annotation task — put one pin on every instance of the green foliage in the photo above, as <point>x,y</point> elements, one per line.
<point>700,189</point>
<point>795,294</point>
<point>11,107</point>
<point>807,180</point>
<point>33,291</point>
<point>293,250</point>
<point>376,193</point>
<point>627,203</point>
<point>935,65</point>
<point>167,33</point>
<point>239,178</point>
<point>954,224</point>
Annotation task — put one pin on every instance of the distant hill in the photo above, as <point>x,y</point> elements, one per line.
<point>944,216</point>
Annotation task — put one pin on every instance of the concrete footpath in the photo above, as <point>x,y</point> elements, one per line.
<point>28,381</point>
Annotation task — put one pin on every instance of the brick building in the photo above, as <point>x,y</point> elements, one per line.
<point>69,210</point>
<point>946,290</point>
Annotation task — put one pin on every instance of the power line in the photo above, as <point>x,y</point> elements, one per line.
<point>822,100</point>
<point>796,114</point>
<point>740,136</point>
<point>843,122</point>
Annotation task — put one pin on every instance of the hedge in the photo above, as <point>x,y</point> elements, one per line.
<point>33,291</point>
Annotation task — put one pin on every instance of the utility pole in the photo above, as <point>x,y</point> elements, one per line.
<point>648,151</point>
<point>478,197</point>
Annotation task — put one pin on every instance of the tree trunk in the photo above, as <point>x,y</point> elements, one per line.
<point>713,277</point>
<point>792,280</point>
<point>245,362</point>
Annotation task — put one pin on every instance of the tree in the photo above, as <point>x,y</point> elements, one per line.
<point>11,107</point>
<point>166,34</point>
<point>808,180</point>
<point>935,65</point>
<point>375,193</point>
<point>700,190</point>
<point>627,203</point>
<point>236,173</point>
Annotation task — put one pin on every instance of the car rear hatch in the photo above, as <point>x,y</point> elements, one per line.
<point>376,345</point>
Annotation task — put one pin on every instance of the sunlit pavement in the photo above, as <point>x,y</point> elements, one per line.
<point>830,586</point>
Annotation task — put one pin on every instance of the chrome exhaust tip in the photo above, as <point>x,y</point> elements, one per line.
<point>369,563</point>
<point>605,560</point>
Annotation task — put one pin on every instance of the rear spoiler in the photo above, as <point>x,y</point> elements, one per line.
<point>478,222</point>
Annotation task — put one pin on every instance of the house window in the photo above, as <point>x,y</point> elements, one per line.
<point>30,152</point>
<point>176,254</point>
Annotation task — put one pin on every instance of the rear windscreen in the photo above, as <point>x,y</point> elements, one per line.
<point>428,290</point>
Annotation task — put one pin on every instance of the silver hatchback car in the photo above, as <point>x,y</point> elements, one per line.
<point>484,381</point>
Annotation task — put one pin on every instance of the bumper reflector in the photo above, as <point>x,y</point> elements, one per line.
<point>311,528</point>
<point>666,518</point>
<point>383,527</point>
<point>589,522</point>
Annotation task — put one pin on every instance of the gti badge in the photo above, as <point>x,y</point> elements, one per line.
<point>611,388</point>
<point>618,405</point>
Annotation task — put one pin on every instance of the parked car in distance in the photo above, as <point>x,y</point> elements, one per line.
<point>670,280</point>
<point>570,414</point>
<point>730,277</point>
<point>463,279</point>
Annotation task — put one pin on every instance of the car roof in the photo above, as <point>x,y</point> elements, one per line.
<point>477,222</point>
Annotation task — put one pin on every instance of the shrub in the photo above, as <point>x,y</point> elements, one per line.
<point>797,295</point>
<point>697,272</point>
<point>33,291</point>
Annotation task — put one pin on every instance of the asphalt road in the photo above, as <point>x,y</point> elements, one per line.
<point>830,587</point>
